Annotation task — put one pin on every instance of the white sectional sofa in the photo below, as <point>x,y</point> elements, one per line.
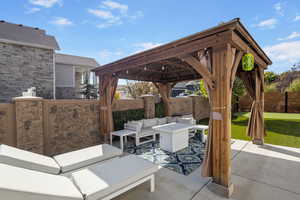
<point>144,127</point>
<point>91,175</point>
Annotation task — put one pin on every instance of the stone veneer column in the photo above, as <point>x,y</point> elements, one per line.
<point>149,106</point>
<point>29,123</point>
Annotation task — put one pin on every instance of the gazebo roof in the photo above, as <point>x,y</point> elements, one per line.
<point>166,63</point>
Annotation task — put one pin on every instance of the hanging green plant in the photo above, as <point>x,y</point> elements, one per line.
<point>248,62</point>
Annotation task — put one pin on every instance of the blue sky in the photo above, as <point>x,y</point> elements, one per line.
<point>111,29</point>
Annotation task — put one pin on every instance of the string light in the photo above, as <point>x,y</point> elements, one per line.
<point>127,71</point>
<point>145,68</point>
<point>163,68</point>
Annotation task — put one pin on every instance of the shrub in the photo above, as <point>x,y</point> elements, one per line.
<point>122,117</point>
<point>159,110</point>
<point>294,86</point>
<point>271,87</point>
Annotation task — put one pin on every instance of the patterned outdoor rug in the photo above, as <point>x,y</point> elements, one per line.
<point>184,161</point>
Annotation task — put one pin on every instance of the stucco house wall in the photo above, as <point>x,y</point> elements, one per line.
<point>22,67</point>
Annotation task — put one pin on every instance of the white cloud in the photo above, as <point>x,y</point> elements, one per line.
<point>113,13</point>
<point>268,23</point>
<point>45,3</point>
<point>143,46</point>
<point>101,13</point>
<point>115,6</point>
<point>279,8</point>
<point>61,21</point>
<point>297,18</point>
<point>32,10</point>
<point>293,35</point>
<point>147,45</point>
<point>285,51</point>
<point>107,56</point>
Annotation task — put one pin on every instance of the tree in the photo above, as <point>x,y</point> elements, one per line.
<point>139,88</point>
<point>270,77</point>
<point>88,90</point>
<point>294,86</point>
<point>273,87</point>
<point>296,67</point>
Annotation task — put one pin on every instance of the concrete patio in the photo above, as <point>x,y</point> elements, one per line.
<point>258,172</point>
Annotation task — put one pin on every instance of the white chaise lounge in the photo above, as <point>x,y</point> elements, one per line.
<point>59,164</point>
<point>29,176</point>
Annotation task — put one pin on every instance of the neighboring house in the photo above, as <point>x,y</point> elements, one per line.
<point>71,72</point>
<point>28,59</point>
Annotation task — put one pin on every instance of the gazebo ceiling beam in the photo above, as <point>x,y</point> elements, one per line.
<point>174,51</point>
<point>200,68</point>
<point>243,46</point>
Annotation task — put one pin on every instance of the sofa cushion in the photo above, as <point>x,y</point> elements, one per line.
<point>134,125</point>
<point>101,180</point>
<point>147,131</point>
<point>87,156</point>
<point>18,183</point>
<point>190,121</point>
<point>28,160</point>
<point>149,122</point>
<point>187,116</point>
<point>161,121</point>
<point>172,119</point>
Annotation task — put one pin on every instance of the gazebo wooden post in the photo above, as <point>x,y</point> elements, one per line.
<point>222,63</point>
<point>107,88</point>
<point>164,90</point>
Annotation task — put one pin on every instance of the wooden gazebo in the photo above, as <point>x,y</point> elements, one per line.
<point>213,55</point>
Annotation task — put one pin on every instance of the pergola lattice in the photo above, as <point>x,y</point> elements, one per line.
<point>213,55</point>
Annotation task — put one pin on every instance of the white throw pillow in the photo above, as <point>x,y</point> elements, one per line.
<point>186,121</point>
<point>172,119</point>
<point>161,121</point>
<point>134,125</point>
<point>187,116</point>
<point>149,122</point>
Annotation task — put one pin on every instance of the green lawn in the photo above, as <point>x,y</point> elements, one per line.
<point>282,128</point>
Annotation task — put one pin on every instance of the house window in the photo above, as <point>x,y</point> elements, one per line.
<point>64,75</point>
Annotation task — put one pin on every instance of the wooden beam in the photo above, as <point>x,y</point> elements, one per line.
<point>174,51</point>
<point>235,65</point>
<point>243,46</point>
<point>200,68</point>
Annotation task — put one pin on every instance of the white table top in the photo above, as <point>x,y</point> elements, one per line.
<point>172,127</point>
<point>124,132</point>
<point>200,126</point>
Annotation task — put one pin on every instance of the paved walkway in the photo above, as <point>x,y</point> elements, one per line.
<point>266,172</point>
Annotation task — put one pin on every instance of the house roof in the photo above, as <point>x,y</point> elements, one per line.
<point>75,60</point>
<point>25,35</point>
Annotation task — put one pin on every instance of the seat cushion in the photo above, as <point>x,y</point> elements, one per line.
<point>190,120</point>
<point>149,122</point>
<point>18,184</point>
<point>28,160</point>
<point>172,119</point>
<point>101,180</point>
<point>161,121</point>
<point>87,156</point>
<point>147,132</point>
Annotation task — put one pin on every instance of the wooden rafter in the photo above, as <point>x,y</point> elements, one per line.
<point>200,68</point>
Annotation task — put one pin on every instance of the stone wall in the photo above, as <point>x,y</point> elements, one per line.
<point>7,124</point>
<point>29,124</point>
<point>22,67</point>
<point>52,127</point>
<point>70,125</point>
<point>181,105</point>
